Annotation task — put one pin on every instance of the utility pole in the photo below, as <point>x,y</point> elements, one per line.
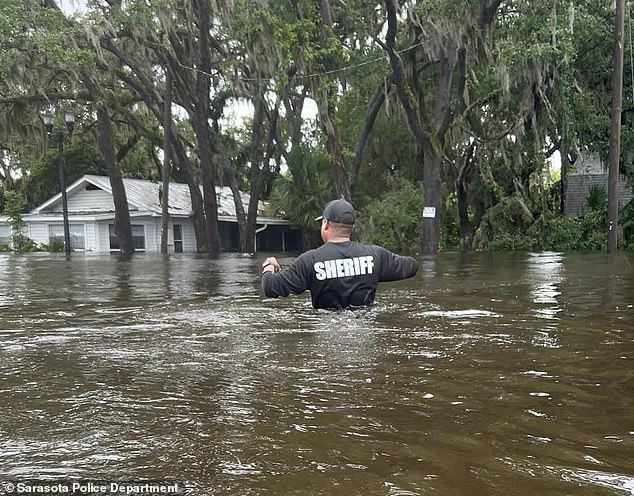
<point>62,186</point>
<point>69,119</point>
<point>615,139</point>
<point>167,164</point>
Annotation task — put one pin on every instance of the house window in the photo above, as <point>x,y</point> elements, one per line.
<point>77,235</point>
<point>138,235</point>
<point>178,238</point>
<point>5,235</point>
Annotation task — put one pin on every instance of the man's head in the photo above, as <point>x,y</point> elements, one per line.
<point>337,221</point>
<point>339,212</point>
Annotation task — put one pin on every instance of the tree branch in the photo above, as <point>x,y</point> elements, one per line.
<point>399,75</point>
<point>45,98</point>
<point>373,110</point>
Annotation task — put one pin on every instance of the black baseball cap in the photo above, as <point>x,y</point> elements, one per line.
<point>339,211</point>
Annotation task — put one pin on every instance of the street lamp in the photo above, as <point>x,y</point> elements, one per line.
<point>69,119</point>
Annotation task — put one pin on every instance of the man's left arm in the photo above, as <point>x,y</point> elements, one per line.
<point>394,267</point>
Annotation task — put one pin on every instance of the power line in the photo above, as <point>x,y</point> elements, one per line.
<point>307,76</point>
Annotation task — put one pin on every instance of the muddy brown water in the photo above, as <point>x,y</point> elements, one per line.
<point>486,374</point>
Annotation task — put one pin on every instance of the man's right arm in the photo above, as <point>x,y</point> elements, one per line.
<point>293,280</point>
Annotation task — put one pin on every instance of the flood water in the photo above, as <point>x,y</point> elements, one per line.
<point>486,374</point>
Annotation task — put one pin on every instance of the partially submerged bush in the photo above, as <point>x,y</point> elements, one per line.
<point>551,232</point>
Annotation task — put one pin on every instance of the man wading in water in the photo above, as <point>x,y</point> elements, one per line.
<point>341,273</point>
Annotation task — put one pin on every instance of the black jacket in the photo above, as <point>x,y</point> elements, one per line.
<point>339,275</point>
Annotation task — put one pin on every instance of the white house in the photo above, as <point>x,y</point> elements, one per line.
<point>91,219</point>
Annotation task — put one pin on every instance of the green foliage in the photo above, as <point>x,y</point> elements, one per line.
<point>559,233</point>
<point>503,226</point>
<point>42,182</point>
<point>554,233</point>
<point>301,193</point>
<point>450,224</point>
<point>597,198</point>
<point>507,241</point>
<point>26,245</point>
<point>391,147</point>
<point>14,208</point>
<point>393,219</point>
<point>586,233</point>
<point>54,245</point>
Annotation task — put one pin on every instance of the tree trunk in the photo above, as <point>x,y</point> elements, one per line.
<point>433,200</point>
<point>259,160</point>
<point>122,226</point>
<point>257,182</point>
<point>337,168</point>
<point>166,169</point>
<point>466,226</point>
<point>247,220</point>
<point>615,137</point>
<point>205,150</point>
<point>415,115</point>
<point>246,229</point>
<point>200,121</point>
<point>198,209</point>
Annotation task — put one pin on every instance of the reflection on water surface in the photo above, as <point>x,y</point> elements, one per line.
<point>484,374</point>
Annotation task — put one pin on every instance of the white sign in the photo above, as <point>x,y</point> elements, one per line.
<point>429,212</point>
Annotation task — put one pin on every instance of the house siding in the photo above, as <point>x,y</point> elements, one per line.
<point>5,235</point>
<point>103,237</point>
<point>91,239</point>
<point>578,188</point>
<point>93,200</point>
<point>152,227</point>
<point>38,232</point>
<point>150,235</point>
<point>189,236</point>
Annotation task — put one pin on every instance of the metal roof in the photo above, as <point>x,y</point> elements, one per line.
<point>143,196</point>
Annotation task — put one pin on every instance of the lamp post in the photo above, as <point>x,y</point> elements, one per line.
<point>69,119</point>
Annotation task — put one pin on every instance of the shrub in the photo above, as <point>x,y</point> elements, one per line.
<point>627,225</point>
<point>393,220</point>
<point>504,227</point>
<point>450,224</point>
<point>597,198</point>
<point>507,241</point>
<point>24,244</point>
<point>55,245</point>
<point>563,234</point>
<point>505,232</point>
<point>13,208</point>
